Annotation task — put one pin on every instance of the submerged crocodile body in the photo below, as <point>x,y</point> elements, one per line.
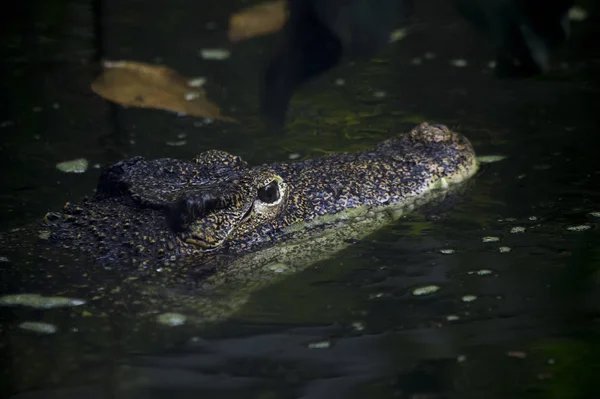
<point>218,225</point>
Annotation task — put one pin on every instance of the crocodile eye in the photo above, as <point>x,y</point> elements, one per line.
<point>269,193</point>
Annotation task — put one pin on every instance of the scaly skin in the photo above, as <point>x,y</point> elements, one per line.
<point>211,226</point>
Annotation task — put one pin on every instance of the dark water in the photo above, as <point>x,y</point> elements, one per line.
<point>348,327</point>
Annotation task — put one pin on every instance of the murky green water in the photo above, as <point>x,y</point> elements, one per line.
<point>515,261</point>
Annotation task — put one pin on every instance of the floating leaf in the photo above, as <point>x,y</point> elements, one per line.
<point>258,20</point>
<point>136,84</point>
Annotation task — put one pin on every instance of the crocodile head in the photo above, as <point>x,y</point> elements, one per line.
<point>146,210</point>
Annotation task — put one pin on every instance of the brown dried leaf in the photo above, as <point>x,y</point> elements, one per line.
<point>258,20</point>
<point>136,84</point>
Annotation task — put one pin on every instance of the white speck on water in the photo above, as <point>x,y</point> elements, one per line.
<point>294,155</point>
<point>217,54</point>
<point>208,121</point>
<point>182,135</point>
<point>429,55</point>
<point>521,176</point>
<point>211,25</point>
<point>78,165</point>
<point>38,327</point>
<point>447,251</point>
<point>177,143</point>
<point>595,214</point>
<point>38,301</point>
<point>7,124</point>
<point>358,325</point>
<point>504,249</point>
<point>55,105</point>
<point>37,109</point>
<point>459,62</point>
<point>379,94</point>
<point>577,14</point>
<point>416,61</point>
<point>490,239</point>
<point>491,64</point>
<point>426,290</point>
<point>96,166</point>
<point>452,317</point>
<point>468,298</point>
<point>378,295</point>
<point>171,319</point>
<point>481,272</point>
<point>517,229</point>
<point>582,227</point>
<point>533,218</point>
<point>192,95</point>
<point>197,82</point>
<point>491,158</point>
<point>461,358</point>
<point>320,345</point>
<point>397,35</point>
<point>339,82</point>
<point>4,259</point>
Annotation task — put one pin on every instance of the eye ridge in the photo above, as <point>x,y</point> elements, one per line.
<point>269,193</point>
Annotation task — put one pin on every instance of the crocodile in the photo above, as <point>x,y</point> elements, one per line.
<point>203,234</point>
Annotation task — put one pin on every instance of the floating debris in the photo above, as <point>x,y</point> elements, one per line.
<point>452,317</point>
<point>582,227</point>
<point>447,251</point>
<point>136,84</point>
<point>517,354</point>
<point>216,54</point>
<point>517,230</point>
<point>577,14</point>
<point>320,345</point>
<point>459,62</point>
<point>339,82</point>
<point>416,61</point>
<point>6,124</point>
<point>37,109</point>
<point>38,327</point>
<point>192,95</point>
<point>397,35</point>
<point>461,358</point>
<point>39,302</point>
<point>491,158</point>
<point>533,218</point>
<point>258,20</point>
<point>595,214</point>
<point>78,165</point>
<point>171,319</point>
<point>468,298</point>
<point>3,259</point>
<point>429,55</point>
<point>482,272</point>
<point>379,94</point>
<point>197,82</point>
<point>504,249</point>
<point>294,155</point>
<point>490,239</point>
<point>491,64</point>
<point>426,290</point>
<point>177,143</point>
<point>358,325</point>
